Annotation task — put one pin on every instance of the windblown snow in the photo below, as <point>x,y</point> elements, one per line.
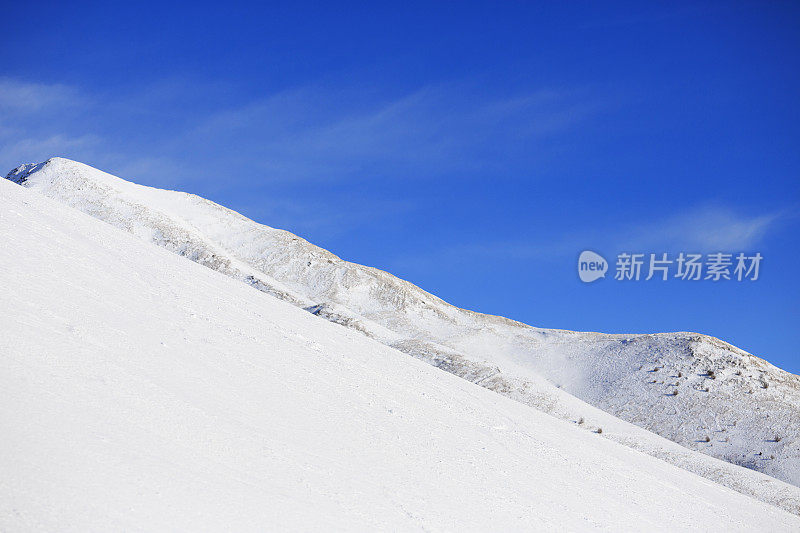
<point>142,390</point>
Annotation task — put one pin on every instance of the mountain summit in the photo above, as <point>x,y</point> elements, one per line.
<point>143,392</point>
<point>697,391</point>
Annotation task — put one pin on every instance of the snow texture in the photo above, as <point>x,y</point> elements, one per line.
<point>122,307</point>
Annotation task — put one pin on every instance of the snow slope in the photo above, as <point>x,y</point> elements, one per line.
<point>141,391</point>
<point>740,412</point>
<point>744,412</point>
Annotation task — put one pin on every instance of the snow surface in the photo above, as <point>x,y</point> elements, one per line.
<point>142,391</point>
<point>730,404</point>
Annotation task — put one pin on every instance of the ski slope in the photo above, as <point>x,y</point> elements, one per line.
<point>697,391</point>
<point>142,391</point>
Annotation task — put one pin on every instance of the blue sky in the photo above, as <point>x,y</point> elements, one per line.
<point>474,149</point>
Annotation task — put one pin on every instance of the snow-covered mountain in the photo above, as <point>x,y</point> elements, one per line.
<point>144,392</point>
<point>695,390</point>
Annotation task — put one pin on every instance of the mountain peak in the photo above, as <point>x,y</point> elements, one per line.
<point>142,391</point>
<point>64,174</point>
<point>21,173</point>
<point>683,386</point>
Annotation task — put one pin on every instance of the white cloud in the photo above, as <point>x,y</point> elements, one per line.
<point>704,229</point>
<point>19,96</point>
<point>35,150</point>
<point>181,135</point>
<point>329,134</point>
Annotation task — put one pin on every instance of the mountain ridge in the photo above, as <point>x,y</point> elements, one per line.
<point>145,392</point>
<point>632,377</point>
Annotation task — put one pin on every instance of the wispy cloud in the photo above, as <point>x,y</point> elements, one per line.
<point>37,122</point>
<point>185,135</point>
<point>23,97</point>
<point>37,149</point>
<point>703,229</point>
<point>315,134</point>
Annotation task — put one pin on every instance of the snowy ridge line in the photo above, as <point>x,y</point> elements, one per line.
<point>722,407</point>
<point>143,392</point>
